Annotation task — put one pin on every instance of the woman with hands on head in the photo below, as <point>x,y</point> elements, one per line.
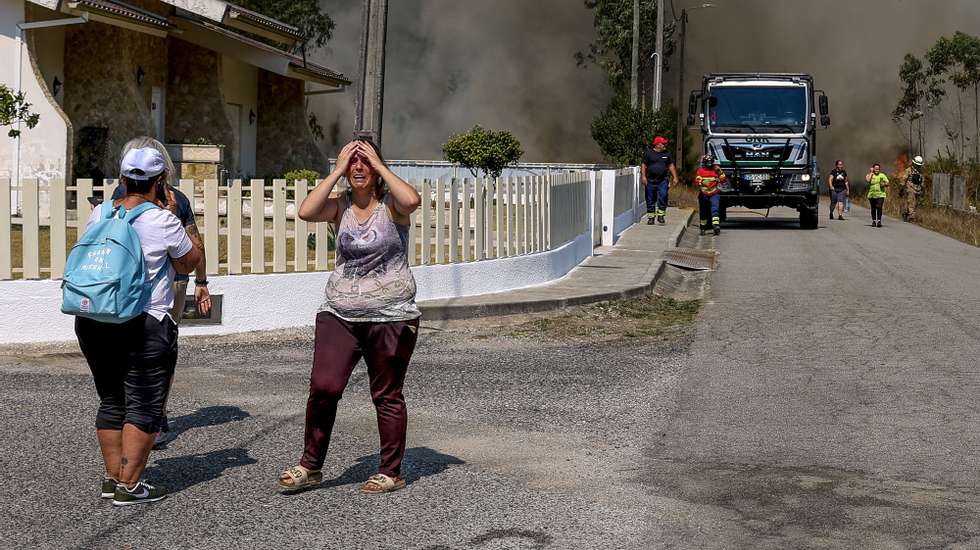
<point>369,310</point>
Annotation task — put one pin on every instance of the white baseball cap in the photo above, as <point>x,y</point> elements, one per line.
<point>142,164</point>
<point>917,161</point>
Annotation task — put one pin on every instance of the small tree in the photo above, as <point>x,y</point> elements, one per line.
<point>483,150</point>
<point>315,26</point>
<point>13,109</point>
<point>921,91</point>
<point>623,133</point>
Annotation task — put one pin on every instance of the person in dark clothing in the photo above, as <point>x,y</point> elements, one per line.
<point>658,165</point>
<point>840,188</point>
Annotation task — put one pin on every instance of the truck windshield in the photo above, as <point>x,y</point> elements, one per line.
<point>763,109</point>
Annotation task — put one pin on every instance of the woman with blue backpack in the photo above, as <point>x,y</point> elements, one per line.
<point>119,284</point>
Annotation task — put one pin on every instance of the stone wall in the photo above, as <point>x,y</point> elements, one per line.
<point>284,139</point>
<point>101,62</point>
<point>195,102</point>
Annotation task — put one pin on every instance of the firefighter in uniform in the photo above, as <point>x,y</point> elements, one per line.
<point>913,188</point>
<point>709,175</point>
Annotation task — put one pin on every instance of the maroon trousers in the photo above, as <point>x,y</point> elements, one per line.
<point>337,347</point>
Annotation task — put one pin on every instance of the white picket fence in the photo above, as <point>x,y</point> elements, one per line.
<point>251,227</point>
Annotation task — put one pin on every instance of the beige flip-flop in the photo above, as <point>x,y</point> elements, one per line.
<point>299,478</point>
<point>380,483</point>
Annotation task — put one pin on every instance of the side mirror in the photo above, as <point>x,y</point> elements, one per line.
<point>824,106</point>
<point>690,120</point>
<point>824,120</point>
<point>692,107</point>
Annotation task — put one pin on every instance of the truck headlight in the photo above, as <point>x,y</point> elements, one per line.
<point>798,182</point>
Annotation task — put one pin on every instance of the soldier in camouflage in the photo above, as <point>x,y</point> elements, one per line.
<point>913,187</point>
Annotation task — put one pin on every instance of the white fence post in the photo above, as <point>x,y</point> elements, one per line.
<point>467,220</point>
<point>257,226</point>
<point>426,222</point>
<point>58,227</point>
<point>30,229</point>
<point>480,226</point>
<point>211,232</point>
<point>234,241</point>
<point>413,232</point>
<point>279,226</point>
<point>454,221</point>
<point>6,266</point>
<point>440,221</point>
<point>608,206</point>
<point>500,222</point>
<point>301,256</point>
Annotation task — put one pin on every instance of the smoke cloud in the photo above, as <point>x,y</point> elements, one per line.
<point>451,64</point>
<point>853,49</point>
<point>508,64</point>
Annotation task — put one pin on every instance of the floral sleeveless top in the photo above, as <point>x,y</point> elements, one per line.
<point>372,281</point>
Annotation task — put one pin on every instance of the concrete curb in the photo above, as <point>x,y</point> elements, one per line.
<point>454,312</point>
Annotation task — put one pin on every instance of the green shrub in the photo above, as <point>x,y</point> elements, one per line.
<point>483,150</point>
<point>302,174</point>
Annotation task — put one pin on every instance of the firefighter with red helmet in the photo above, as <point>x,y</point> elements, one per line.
<point>708,176</point>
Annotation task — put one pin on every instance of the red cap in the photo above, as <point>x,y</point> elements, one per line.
<point>660,140</point>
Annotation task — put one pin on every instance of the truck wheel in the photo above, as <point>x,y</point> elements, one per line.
<point>809,217</point>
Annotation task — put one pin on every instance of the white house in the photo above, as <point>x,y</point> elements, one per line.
<point>100,72</point>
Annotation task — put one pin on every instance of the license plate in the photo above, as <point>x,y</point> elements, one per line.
<point>758,178</point>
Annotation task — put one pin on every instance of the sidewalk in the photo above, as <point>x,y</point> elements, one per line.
<point>627,269</point>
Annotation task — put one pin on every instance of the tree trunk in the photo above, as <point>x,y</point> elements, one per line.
<point>959,102</point>
<point>976,116</point>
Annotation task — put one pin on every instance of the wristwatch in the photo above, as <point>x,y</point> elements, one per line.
<point>201,283</point>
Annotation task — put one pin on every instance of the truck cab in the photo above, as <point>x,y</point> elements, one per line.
<point>762,129</point>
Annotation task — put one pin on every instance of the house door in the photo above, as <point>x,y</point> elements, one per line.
<point>234,113</point>
<point>157,112</point>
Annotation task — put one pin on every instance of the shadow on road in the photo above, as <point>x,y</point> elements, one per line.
<point>179,473</point>
<point>207,416</point>
<point>742,221</point>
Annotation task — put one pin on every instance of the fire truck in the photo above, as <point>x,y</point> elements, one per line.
<point>762,129</point>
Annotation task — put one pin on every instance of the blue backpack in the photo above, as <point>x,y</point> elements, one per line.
<point>105,275</point>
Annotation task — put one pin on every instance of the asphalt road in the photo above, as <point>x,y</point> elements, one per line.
<point>825,399</point>
<point>830,397</point>
<point>513,443</point>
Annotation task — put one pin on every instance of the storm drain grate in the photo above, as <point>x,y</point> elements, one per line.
<point>691,258</point>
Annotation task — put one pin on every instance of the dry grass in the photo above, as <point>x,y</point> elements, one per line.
<point>649,316</point>
<point>684,196</point>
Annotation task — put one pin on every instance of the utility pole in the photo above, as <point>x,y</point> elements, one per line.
<point>681,122</point>
<point>636,54</point>
<point>659,66</point>
<point>370,90</point>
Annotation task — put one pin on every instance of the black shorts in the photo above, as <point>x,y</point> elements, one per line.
<point>132,364</point>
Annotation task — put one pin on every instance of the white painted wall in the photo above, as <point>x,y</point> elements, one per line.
<point>50,44</point>
<point>43,149</point>
<point>240,86</point>
<point>31,309</point>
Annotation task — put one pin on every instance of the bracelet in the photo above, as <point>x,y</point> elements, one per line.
<point>201,283</point>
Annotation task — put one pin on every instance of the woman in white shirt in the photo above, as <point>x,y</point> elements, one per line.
<point>132,362</point>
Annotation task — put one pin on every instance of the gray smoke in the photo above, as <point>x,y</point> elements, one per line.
<point>509,64</point>
<point>451,64</point>
<point>852,48</point>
